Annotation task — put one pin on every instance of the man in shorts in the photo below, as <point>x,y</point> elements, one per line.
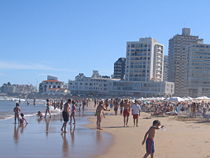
<point>65,114</point>
<point>126,112</point>
<point>135,112</point>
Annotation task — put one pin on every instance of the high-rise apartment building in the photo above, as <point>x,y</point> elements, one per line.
<point>144,60</point>
<point>198,70</point>
<point>165,72</point>
<point>178,59</point>
<point>119,68</point>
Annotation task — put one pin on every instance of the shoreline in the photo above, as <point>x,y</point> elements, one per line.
<point>90,125</point>
<point>83,143</point>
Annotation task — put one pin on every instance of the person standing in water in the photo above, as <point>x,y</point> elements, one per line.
<point>47,109</point>
<point>99,114</point>
<point>34,102</point>
<point>73,110</point>
<point>17,113</point>
<point>65,114</point>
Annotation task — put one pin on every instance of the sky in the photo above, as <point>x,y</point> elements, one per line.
<point>67,37</point>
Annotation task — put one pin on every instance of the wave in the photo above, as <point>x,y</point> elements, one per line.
<point>10,116</point>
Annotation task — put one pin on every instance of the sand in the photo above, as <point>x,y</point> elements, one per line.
<point>180,139</point>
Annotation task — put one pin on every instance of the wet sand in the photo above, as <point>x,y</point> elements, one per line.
<point>43,139</point>
<point>181,139</point>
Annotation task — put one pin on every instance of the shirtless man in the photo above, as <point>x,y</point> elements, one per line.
<point>65,113</point>
<point>149,138</point>
<point>99,113</point>
<point>17,112</point>
<point>126,112</point>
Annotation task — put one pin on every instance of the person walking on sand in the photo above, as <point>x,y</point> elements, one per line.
<point>126,112</point>
<point>99,114</point>
<point>73,111</point>
<point>116,106</point>
<point>65,114</point>
<point>149,138</point>
<point>135,112</point>
<point>17,113</point>
<point>121,107</point>
<point>47,109</point>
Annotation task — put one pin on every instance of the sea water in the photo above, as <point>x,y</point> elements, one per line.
<point>42,138</point>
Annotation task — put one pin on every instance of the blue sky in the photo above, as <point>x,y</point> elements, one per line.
<point>65,37</point>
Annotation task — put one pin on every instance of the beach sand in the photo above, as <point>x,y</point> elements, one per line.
<point>180,139</point>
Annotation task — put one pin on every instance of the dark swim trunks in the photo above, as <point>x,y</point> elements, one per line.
<point>65,116</point>
<point>126,113</point>
<point>150,147</point>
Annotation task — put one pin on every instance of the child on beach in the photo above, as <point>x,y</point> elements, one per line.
<point>39,114</point>
<point>22,120</point>
<point>17,112</point>
<point>149,138</point>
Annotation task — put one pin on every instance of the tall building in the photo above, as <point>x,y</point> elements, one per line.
<point>165,72</point>
<point>144,60</point>
<point>198,70</point>
<point>119,68</point>
<point>143,74</point>
<point>178,59</point>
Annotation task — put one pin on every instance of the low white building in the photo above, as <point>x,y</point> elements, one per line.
<point>97,85</point>
<point>11,89</point>
<point>52,86</point>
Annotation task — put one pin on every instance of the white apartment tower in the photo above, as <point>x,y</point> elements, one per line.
<point>144,60</point>
<point>178,59</point>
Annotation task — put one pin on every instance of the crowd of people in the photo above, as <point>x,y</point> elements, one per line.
<point>124,107</point>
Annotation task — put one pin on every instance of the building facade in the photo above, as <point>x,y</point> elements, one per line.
<point>52,86</point>
<point>96,85</point>
<point>119,68</point>
<point>178,59</point>
<point>166,67</point>
<point>198,70</point>
<point>12,89</point>
<point>144,60</point>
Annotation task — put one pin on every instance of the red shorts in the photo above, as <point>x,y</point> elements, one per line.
<point>126,113</point>
<point>135,116</point>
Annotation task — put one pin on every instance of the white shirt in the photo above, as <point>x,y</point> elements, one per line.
<point>135,109</point>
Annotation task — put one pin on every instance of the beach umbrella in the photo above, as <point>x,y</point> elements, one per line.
<point>202,98</point>
<point>175,99</point>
